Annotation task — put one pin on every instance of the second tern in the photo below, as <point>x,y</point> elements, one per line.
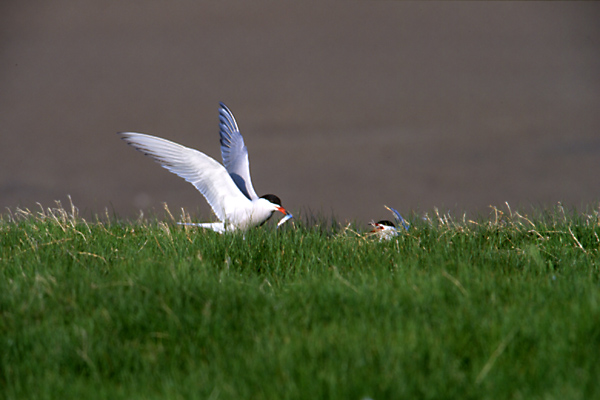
<point>386,229</point>
<point>228,189</point>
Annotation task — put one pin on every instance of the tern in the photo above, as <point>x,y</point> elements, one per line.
<point>227,189</point>
<point>386,229</point>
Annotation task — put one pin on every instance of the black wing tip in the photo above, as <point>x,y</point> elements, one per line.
<point>223,107</point>
<point>227,123</point>
<point>125,136</point>
<point>225,112</point>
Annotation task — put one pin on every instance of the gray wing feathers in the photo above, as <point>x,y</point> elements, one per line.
<point>206,174</point>
<point>234,152</point>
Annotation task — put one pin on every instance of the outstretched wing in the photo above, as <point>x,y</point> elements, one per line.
<point>234,152</point>
<point>206,174</point>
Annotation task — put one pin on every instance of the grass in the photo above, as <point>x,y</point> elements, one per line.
<point>506,307</point>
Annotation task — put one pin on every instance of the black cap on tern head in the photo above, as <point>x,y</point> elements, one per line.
<point>272,198</point>
<point>386,222</point>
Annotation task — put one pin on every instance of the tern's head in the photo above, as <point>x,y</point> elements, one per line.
<point>276,202</point>
<point>383,229</point>
<point>382,225</point>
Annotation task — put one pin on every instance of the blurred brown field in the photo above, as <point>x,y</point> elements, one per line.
<point>344,106</point>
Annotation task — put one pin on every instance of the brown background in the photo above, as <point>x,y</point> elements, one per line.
<point>345,106</point>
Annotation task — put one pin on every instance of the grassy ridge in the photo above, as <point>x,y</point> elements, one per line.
<point>501,308</point>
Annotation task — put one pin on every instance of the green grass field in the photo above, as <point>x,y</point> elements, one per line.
<point>504,307</point>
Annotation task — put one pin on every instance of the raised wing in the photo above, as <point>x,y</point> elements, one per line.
<point>234,152</point>
<point>399,218</point>
<point>206,174</point>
